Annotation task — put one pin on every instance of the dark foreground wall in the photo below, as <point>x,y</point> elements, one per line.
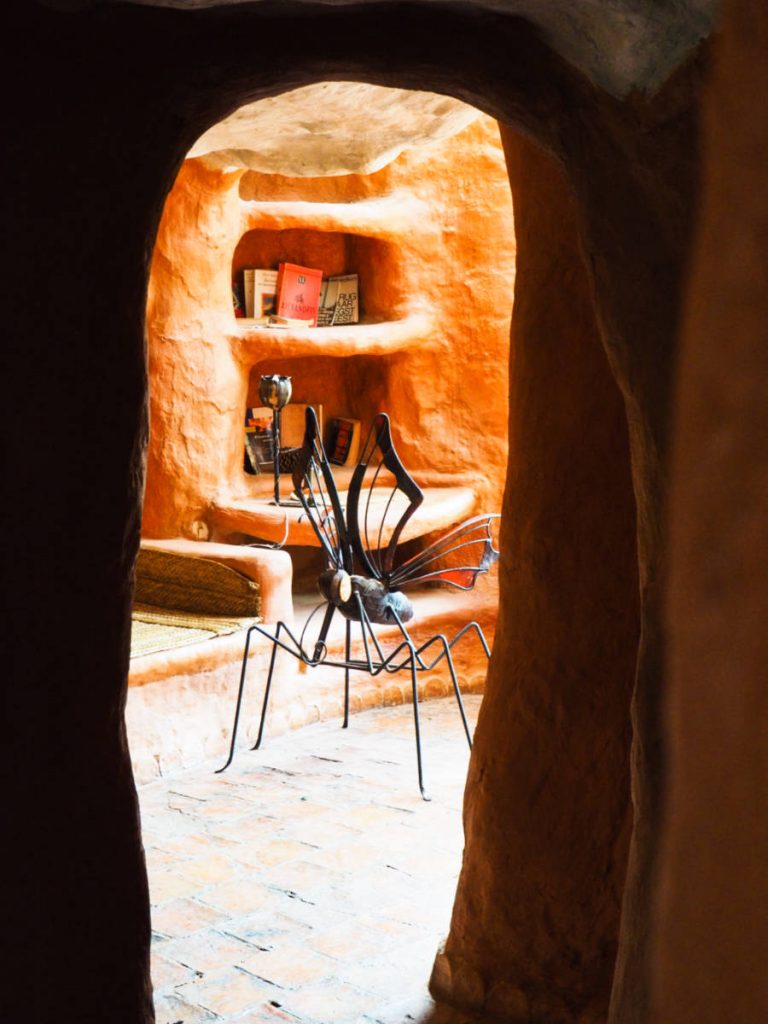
<point>100,107</point>
<point>712,933</point>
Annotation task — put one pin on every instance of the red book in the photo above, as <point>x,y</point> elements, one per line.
<point>298,292</point>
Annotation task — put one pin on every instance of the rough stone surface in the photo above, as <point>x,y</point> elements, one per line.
<point>330,128</point>
<point>535,924</point>
<point>712,902</point>
<point>619,44</point>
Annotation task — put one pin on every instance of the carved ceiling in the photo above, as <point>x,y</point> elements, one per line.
<point>619,44</point>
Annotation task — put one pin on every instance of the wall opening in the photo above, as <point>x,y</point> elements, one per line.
<point>432,244</point>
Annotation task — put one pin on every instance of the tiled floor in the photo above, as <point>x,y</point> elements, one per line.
<point>309,882</point>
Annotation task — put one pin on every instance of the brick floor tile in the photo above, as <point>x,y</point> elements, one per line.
<point>157,858</point>
<point>212,870</point>
<point>252,829</point>
<point>410,913</point>
<point>371,818</point>
<point>169,1009</point>
<point>324,911</point>
<point>290,966</point>
<point>321,831</point>
<point>228,993</point>
<point>185,917</point>
<point>226,808</point>
<point>301,876</point>
<point>376,888</point>
<point>348,857</point>
<point>275,851</point>
<point>328,1004</point>
<point>166,974</point>
<point>422,863</point>
<point>239,896</point>
<point>171,885</point>
<point>266,930</point>
<point>385,979</point>
<point>207,952</point>
<point>267,1014</point>
<point>418,1009</point>
<point>356,939</point>
<point>197,843</point>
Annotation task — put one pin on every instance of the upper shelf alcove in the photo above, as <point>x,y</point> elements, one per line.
<point>375,261</point>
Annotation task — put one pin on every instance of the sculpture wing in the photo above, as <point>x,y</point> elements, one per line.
<point>458,558</point>
<point>382,498</point>
<point>316,488</point>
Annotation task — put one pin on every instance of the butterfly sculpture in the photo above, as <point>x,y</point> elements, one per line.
<point>363,581</point>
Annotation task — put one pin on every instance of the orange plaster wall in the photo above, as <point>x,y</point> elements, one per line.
<point>442,264</point>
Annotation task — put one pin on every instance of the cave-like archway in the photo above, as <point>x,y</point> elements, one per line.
<point>125,92</point>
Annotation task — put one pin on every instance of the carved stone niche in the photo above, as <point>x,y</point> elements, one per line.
<point>424,217</point>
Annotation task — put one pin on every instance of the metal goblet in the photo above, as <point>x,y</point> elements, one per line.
<point>275,391</point>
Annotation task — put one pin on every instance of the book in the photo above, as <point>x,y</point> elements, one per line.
<point>346,308</point>
<point>264,293</point>
<point>345,441</point>
<point>328,292</point>
<point>260,292</point>
<point>298,292</point>
<point>238,299</point>
<point>339,301</point>
<point>248,292</point>
<point>259,439</point>
<point>293,423</point>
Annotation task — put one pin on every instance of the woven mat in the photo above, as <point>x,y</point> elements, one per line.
<point>154,629</point>
<point>186,583</point>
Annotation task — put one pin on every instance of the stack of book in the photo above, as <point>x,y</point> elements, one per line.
<point>260,438</point>
<point>296,296</point>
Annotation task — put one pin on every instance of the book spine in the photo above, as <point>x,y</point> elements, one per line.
<point>264,293</point>
<point>248,284</point>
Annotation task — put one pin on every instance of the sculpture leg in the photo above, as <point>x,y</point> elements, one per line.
<point>417,726</point>
<point>348,649</point>
<point>456,690</point>
<point>239,699</point>
<point>267,688</point>
<point>481,634</point>
<point>413,658</point>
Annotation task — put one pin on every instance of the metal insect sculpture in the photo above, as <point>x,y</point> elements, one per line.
<point>362,580</point>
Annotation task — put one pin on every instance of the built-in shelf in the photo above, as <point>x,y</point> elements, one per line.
<point>258,517</point>
<point>385,216</point>
<point>253,341</point>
